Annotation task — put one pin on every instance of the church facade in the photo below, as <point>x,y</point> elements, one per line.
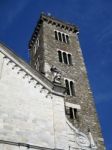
<point>48,104</point>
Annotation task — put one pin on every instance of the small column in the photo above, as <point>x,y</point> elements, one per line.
<point>92,143</point>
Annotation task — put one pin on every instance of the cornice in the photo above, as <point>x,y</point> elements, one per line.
<point>53,21</point>
<point>34,76</point>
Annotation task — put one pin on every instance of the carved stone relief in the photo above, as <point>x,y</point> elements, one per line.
<point>56,74</point>
<point>81,141</point>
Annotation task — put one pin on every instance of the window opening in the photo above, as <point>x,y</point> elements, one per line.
<point>60,56</point>
<point>59,34</point>
<point>64,40</point>
<point>71,112</point>
<point>72,88</point>
<point>69,59</point>
<point>61,37</point>
<point>56,35</point>
<point>65,57</point>
<point>67,39</point>
<point>75,113</point>
<point>67,87</point>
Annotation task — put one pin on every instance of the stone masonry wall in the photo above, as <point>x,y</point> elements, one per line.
<point>76,72</point>
<point>27,113</point>
<point>39,55</point>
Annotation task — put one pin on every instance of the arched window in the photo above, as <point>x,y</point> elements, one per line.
<point>69,59</point>
<point>67,39</point>
<point>67,87</point>
<point>72,88</point>
<point>56,35</point>
<point>65,57</point>
<point>59,34</point>
<point>63,36</point>
<point>60,56</point>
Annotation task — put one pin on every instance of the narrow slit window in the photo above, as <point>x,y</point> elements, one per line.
<point>67,87</point>
<point>59,34</point>
<point>56,35</point>
<point>60,56</point>
<point>71,113</point>
<point>75,113</point>
<point>64,40</point>
<point>70,59</point>
<point>65,57</point>
<point>67,39</point>
<point>72,88</point>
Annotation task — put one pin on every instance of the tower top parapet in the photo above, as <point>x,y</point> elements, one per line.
<point>51,20</point>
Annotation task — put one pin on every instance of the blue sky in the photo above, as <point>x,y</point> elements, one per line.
<point>93,17</point>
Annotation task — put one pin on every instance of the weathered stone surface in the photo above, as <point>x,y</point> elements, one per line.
<point>28,115</point>
<point>76,72</point>
<point>32,108</point>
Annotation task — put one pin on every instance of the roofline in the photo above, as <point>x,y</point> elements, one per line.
<point>53,21</point>
<point>53,88</point>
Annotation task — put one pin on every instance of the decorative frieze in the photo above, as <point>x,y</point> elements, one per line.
<point>80,140</point>
<point>27,75</point>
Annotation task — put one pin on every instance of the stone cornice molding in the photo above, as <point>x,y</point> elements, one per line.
<point>29,71</point>
<point>51,20</point>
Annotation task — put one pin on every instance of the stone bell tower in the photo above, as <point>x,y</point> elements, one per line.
<point>55,52</point>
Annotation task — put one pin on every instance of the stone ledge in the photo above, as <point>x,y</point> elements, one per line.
<point>26,145</point>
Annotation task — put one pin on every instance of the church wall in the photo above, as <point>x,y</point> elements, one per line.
<point>77,73</point>
<point>27,114</point>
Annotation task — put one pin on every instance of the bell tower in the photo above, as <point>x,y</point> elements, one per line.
<point>55,52</point>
